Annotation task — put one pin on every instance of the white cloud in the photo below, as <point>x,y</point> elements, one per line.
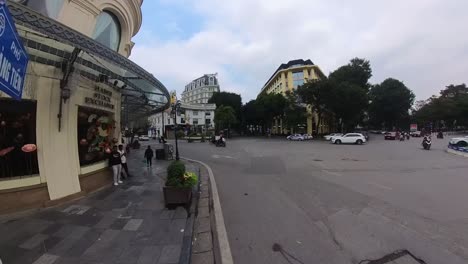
<point>423,43</point>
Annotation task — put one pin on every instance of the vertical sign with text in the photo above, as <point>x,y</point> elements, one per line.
<point>13,56</point>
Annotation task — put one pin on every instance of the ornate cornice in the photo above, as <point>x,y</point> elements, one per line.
<point>87,5</point>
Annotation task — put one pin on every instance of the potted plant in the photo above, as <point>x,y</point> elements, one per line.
<point>179,184</point>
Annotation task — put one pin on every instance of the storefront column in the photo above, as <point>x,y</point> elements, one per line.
<point>55,149</point>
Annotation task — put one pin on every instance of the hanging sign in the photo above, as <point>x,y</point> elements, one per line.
<point>13,56</point>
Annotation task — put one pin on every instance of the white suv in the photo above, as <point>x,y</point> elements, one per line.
<point>350,138</point>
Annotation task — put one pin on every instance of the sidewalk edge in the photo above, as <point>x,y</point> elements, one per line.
<point>222,238</point>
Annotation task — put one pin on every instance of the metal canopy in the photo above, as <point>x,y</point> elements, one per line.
<point>52,43</point>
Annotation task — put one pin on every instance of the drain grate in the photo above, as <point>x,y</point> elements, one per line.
<point>397,257</point>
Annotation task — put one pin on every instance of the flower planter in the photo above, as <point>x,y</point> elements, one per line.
<point>177,195</point>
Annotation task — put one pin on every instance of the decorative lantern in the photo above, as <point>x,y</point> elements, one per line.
<point>28,148</point>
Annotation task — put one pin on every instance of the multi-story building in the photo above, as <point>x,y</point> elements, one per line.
<point>288,77</point>
<point>66,112</point>
<point>192,118</point>
<point>200,90</point>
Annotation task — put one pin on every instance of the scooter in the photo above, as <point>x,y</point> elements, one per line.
<point>221,143</point>
<point>427,144</point>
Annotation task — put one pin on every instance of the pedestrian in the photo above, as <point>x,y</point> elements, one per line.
<point>116,163</point>
<point>149,156</point>
<point>123,158</point>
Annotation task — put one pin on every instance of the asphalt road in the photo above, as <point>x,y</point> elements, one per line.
<point>326,203</point>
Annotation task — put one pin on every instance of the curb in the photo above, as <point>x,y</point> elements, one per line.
<point>221,247</point>
<point>459,153</point>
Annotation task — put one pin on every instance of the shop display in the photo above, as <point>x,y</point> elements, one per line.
<point>95,134</point>
<point>18,155</point>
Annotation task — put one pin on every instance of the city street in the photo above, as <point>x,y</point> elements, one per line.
<point>325,203</point>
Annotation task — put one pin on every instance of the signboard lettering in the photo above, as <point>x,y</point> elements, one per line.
<point>13,56</point>
<point>101,97</point>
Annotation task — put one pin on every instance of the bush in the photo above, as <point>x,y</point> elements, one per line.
<point>180,134</point>
<point>178,177</point>
<point>175,174</point>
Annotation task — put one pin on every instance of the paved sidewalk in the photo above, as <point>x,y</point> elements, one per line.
<point>123,224</point>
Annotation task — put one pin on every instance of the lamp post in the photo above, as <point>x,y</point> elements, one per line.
<point>175,110</point>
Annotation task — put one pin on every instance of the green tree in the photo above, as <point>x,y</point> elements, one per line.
<point>295,113</point>
<point>270,106</point>
<point>227,99</point>
<point>449,110</point>
<point>225,116</point>
<point>390,103</point>
<point>317,94</point>
<point>349,104</point>
<point>357,71</point>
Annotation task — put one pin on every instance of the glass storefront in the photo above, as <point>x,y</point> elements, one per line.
<point>18,155</point>
<point>95,134</point>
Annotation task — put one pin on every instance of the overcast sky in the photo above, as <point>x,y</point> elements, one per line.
<point>423,43</point>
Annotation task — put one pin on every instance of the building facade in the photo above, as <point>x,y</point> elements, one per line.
<point>54,140</point>
<point>200,90</point>
<point>288,77</point>
<point>198,118</point>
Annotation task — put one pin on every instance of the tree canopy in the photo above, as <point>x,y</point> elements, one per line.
<point>227,99</point>
<point>224,117</point>
<point>390,102</point>
<point>448,110</point>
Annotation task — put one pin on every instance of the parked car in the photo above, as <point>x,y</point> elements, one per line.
<point>329,137</point>
<point>459,142</point>
<point>364,133</point>
<point>143,138</point>
<point>307,136</point>
<point>350,138</point>
<point>415,134</point>
<point>390,136</point>
<point>296,137</point>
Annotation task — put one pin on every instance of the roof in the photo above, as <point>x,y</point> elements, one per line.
<point>52,43</point>
<point>288,65</point>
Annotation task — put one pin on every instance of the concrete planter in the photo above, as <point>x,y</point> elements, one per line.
<point>177,195</point>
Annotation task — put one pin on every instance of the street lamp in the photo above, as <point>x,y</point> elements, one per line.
<point>175,110</point>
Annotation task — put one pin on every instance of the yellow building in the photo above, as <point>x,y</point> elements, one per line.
<point>288,77</point>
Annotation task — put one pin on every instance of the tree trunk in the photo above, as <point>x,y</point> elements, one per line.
<point>319,120</point>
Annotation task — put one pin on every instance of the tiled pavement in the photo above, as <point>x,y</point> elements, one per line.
<point>123,224</point>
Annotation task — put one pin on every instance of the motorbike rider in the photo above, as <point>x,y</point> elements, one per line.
<point>426,139</point>
<point>221,139</point>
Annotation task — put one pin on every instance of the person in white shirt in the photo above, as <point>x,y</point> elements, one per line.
<point>123,157</point>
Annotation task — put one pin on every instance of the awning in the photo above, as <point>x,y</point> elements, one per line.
<point>52,43</point>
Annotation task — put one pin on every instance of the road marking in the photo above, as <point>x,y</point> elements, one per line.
<point>221,156</point>
<point>380,186</point>
<point>333,173</point>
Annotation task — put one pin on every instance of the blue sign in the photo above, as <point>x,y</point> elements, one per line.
<point>13,57</point>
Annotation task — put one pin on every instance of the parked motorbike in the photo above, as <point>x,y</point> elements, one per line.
<point>440,135</point>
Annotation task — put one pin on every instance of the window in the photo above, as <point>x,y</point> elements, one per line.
<point>195,121</point>
<point>50,8</point>
<point>207,122</point>
<point>195,113</point>
<point>182,120</point>
<point>17,128</point>
<point>208,113</point>
<point>95,134</point>
<point>298,79</point>
<point>107,30</point>
<point>168,121</point>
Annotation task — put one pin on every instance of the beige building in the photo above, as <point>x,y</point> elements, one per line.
<point>288,77</point>
<point>79,90</point>
<point>200,90</point>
